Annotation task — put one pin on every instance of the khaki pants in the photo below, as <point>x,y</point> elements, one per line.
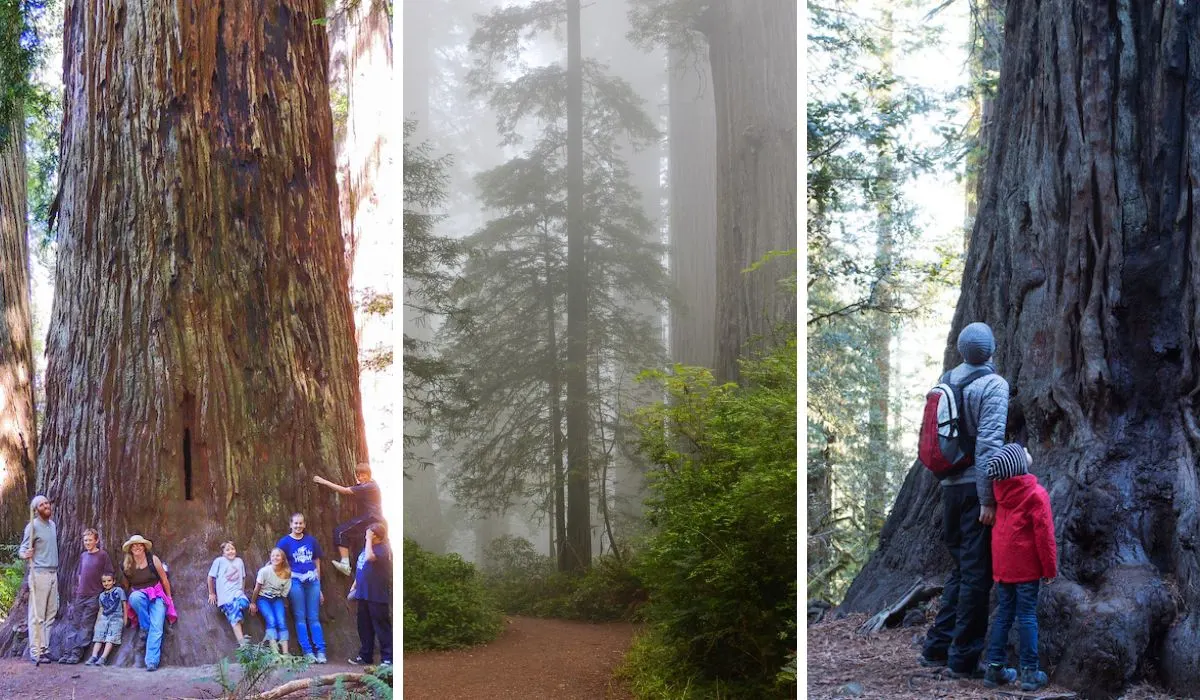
<point>43,608</point>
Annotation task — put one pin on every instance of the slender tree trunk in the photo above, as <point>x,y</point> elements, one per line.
<point>202,364</point>
<point>1084,263</point>
<point>879,419</point>
<point>558,536</point>
<point>17,418</point>
<point>752,50</point>
<point>692,176</point>
<point>579,543</point>
<point>987,31</point>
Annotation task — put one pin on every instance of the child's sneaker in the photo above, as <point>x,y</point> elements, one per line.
<point>100,661</point>
<point>91,661</point>
<point>310,658</point>
<point>1033,679</point>
<point>998,675</point>
<point>358,661</point>
<point>321,658</point>
<point>342,565</point>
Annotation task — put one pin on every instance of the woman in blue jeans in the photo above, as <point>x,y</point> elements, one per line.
<point>149,595</point>
<point>304,557</point>
<point>271,586</point>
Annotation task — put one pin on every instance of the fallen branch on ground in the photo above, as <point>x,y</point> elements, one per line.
<point>299,684</point>
<point>917,594</point>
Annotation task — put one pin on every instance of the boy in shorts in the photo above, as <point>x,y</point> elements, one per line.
<point>110,621</point>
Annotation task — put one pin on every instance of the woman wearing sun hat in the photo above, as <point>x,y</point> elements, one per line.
<point>150,601</point>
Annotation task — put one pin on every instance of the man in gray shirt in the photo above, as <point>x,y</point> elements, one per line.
<point>40,547</point>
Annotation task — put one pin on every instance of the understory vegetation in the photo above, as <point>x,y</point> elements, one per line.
<point>445,603</point>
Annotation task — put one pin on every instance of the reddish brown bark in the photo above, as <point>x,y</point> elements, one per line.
<point>17,432</point>
<point>202,363</point>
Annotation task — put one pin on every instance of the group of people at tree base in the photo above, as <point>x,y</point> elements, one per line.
<point>293,574</point>
<point>998,527</point>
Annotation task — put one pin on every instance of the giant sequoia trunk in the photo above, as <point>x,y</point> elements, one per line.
<point>202,365</point>
<point>1086,263</point>
<point>752,50</point>
<point>17,438</point>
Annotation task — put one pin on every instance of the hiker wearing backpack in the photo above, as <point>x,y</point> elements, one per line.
<point>964,425</point>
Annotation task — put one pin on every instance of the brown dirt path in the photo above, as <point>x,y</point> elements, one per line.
<point>533,659</point>
<point>21,680</point>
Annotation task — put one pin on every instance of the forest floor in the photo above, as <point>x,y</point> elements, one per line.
<point>843,664</point>
<point>533,658</point>
<point>21,680</point>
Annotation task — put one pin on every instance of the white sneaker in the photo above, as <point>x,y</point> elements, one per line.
<point>342,566</point>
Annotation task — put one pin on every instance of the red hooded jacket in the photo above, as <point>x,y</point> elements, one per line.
<point>1023,547</point>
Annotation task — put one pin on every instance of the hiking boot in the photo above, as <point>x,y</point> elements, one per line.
<point>932,663</point>
<point>975,673</point>
<point>997,675</point>
<point>1033,679</point>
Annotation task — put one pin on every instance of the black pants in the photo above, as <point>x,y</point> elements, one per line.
<point>353,532</point>
<point>960,630</point>
<point>374,624</point>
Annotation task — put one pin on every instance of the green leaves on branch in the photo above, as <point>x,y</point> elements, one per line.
<point>445,603</point>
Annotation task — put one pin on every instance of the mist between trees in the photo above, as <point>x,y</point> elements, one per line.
<point>600,210</point>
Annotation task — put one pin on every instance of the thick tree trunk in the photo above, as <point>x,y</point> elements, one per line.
<point>692,139</point>
<point>1087,271</point>
<point>752,50</point>
<point>17,431</point>
<point>579,531</point>
<point>202,364</point>
<point>987,32</point>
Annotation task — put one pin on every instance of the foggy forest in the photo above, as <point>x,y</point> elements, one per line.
<point>600,348</point>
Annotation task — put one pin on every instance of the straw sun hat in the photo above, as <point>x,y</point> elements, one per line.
<point>137,539</point>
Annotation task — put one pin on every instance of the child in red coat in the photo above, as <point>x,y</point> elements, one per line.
<point>1023,554</point>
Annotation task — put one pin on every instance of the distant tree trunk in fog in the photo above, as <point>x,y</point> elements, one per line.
<point>579,543</point>
<point>487,529</point>
<point>18,437</point>
<point>424,519</point>
<point>752,50</point>
<point>1085,262</point>
<point>879,420</point>
<point>558,512</point>
<point>692,139</point>
<point>202,364</point>
<point>987,30</point>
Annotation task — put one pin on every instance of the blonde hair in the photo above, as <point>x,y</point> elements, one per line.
<point>33,506</point>
<point>284,570</point>
<point>128,564</point>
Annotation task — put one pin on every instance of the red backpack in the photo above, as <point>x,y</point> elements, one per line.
<point>947,444</point>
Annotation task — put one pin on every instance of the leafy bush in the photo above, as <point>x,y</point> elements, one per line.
<point>11,576</point>
<point>721,567</point>
<point>445,604</point>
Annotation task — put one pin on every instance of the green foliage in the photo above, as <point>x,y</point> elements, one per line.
<point>720,568</point>
<point>526,583</point>
<point>445,604</point>
<point>19,55</point>
<point>379,681</point>
<point>12,574</point>
<point>258,665</point>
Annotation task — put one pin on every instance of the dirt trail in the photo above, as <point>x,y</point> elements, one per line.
<point>21,680</point>
<point>533,659</point>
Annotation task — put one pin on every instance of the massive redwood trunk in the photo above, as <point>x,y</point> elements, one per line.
<point>17,436</point>
<point>202,364</point>
<point>752,50</point>
<point>1086,262</point>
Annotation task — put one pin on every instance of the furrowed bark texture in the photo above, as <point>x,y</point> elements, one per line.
<point>752,50</point>
<point>202,364</point>
<point>693,219</point>
<point>17,431</point>
<point>1086,263</point>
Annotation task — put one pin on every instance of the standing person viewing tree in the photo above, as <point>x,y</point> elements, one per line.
<point>39,547</point>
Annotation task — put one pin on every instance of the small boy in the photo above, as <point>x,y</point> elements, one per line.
<point>110,621</point>
<point>1023,554</point>
<point>370,509</point>
<point>226,589</point>
<point>373,590</point>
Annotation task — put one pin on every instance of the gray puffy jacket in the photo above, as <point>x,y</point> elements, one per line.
<point>986,408</point>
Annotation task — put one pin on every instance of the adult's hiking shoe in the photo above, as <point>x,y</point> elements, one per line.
<point>997,675</point>
<point>1033,679</point>
<point>975,673</point>
<point>932,663</point>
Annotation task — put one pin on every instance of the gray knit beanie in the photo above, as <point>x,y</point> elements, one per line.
<point>976,343</point>
<point>1007,462</point>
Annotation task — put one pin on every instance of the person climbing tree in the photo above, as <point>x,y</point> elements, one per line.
<point>368,500</point>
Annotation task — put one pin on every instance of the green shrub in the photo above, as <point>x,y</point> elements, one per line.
<point>445,604</point>
<point>720,568</point>
<point>517,576</point>
<point>11,576</point>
